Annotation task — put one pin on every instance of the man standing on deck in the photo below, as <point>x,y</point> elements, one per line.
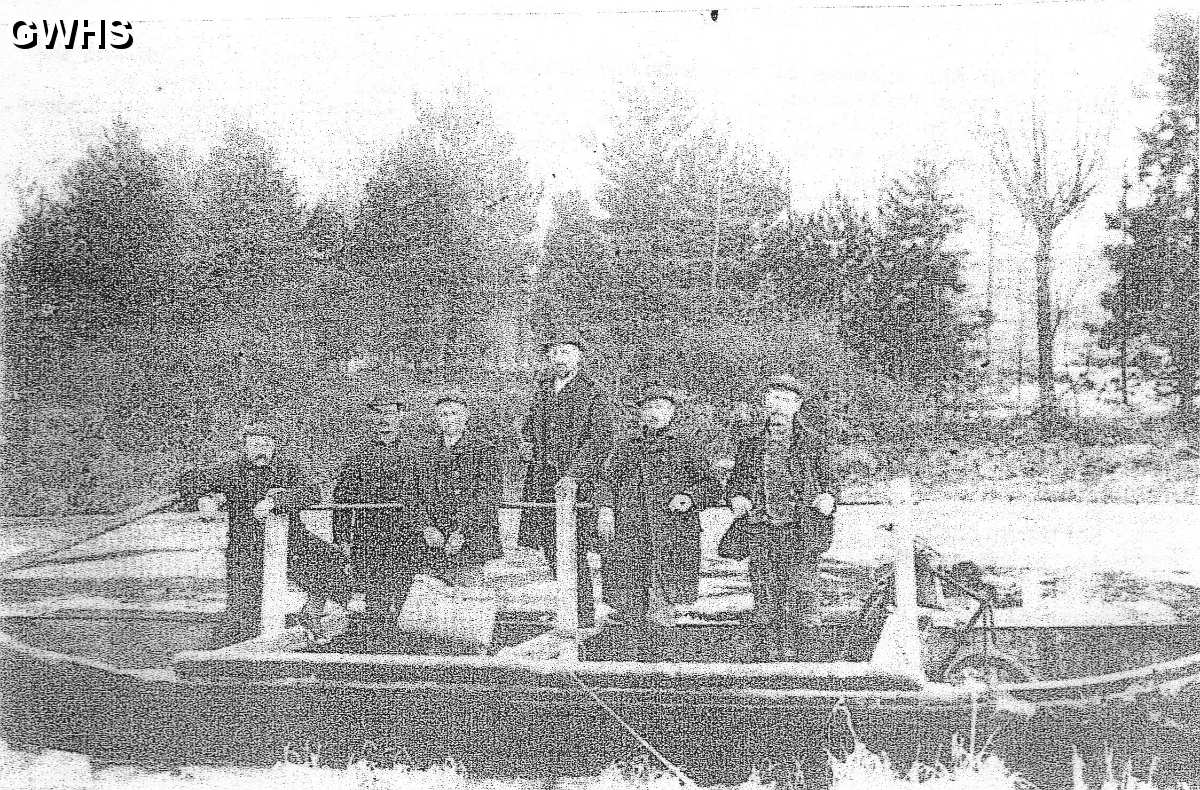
<point>381,544</point>
<point>568,435</point>
<point>257,483</point>
<point>783,494</point>
<point>652,490</point>
<point>459,486</point>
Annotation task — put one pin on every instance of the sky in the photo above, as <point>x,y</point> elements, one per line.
<point>847,94</point>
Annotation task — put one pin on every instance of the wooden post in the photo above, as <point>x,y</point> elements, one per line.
<point>566,537</point>
<point>274,588</point>
<point>900,643</point>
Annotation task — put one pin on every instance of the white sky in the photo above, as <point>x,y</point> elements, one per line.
<point>847,96</point>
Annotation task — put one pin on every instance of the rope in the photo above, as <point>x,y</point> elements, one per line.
<point>671,767</point>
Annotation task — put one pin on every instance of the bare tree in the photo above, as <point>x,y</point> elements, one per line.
<point>1046,188</point>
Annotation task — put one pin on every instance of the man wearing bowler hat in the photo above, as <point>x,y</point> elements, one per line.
<point>652,490</point>
<point>256,483</point>
<point>783,493</point>
<point>568,436</point>
<point>380,543</point>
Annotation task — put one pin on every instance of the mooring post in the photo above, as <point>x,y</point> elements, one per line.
<point>900,643</point>
<point>566,570</point>
<point>274,589</point>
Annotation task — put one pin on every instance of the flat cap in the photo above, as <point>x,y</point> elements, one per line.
<point>563,336</point>
<point>386,396</point>
<point>659,392</point>
<point>451,396</point>
<point>260,428</point>
<point>789,383</point>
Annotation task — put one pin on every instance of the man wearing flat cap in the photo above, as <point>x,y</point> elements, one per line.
<point>380,543</point>
<point>256,483</point>
<point>458,488</point>
<point>782,493</point>
<point>652,489</point>
<point>568,436</point>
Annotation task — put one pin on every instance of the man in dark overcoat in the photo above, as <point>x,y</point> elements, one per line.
<point>653,487</point>
<point>459,487</point>
<point>568,436</point>
<point>381,544</point>
<point>782,492</point>
<point>256,483</point>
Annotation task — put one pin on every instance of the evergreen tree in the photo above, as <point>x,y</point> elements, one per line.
<point>686,207</point>
<point>918,330</point>
<point>1156,297</point>
<point>251,322</point>
<point>87,268</point>
<point>819,261</point>
<point>443,231</point>
<point>888,284</point>
<point>91,254</point>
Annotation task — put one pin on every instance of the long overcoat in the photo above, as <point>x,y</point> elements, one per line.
<point>458,490</point>
<point>383,541</point>
<point>644,473</point>
<point>571,433</point>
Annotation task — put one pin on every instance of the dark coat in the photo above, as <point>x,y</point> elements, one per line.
<point>382,540</point>
<point>812,470</point>
<point>643,474</point>
<point>244,486</point>
<point>571,433</point>
<point>311,562</point>
<point>458,490</point>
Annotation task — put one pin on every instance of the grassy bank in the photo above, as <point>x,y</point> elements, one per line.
<point>59,458</point>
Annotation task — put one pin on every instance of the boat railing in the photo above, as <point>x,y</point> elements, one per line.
<point>899,644</point>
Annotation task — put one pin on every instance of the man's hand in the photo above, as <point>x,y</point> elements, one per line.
<point>454,543</point>
<point>681,503</point>
<point>606,524</point>
<point>824,504</point>
<point>434,538</point>
<point>566,486</point>
<point>264,508</point>
<point>740,506</point>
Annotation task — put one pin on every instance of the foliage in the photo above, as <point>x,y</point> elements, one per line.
<point>92,263</point>
<point>915,283</point>
<point>441,233</point>
<point>1156,299</point>
<point>890,284</point>
<point>683,208</point>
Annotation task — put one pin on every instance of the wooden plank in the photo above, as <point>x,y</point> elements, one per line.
<point>550,646</point>
<point>274,588</point>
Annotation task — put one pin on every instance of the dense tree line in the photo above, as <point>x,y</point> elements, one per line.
<point>166,298</point>
<point>1155,303</point>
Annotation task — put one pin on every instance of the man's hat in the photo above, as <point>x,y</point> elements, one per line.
<point>789,383</point>
<point>260,428</point>
<point>387,397</point>
<point>451,396</point>
<point>659,392</point>
<point>563,336</point>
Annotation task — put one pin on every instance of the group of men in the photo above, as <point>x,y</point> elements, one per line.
<point>641,493</point>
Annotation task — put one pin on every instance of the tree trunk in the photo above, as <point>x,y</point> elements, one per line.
<point>1045,326</point>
